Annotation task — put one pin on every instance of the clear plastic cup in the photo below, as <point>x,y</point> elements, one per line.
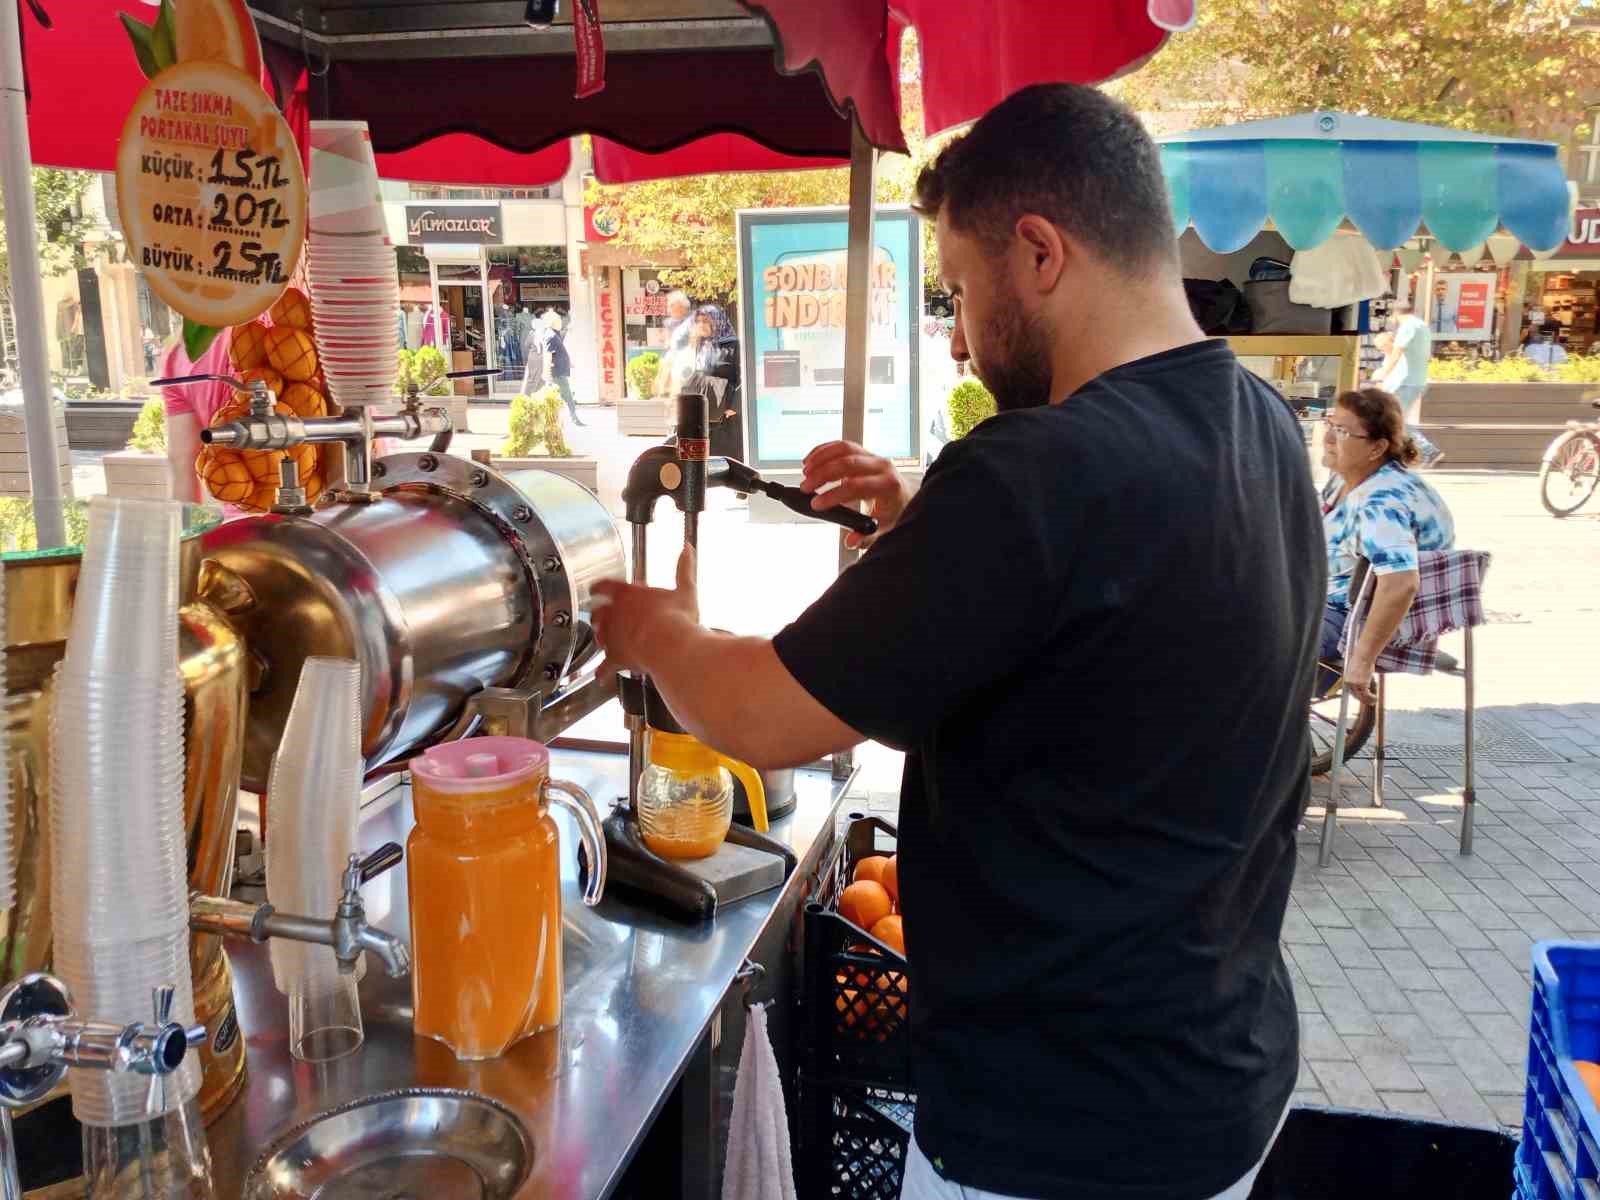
<point>315,795</point>
<point>125,609</point>
<point>116,812</point>
<point>115,984</point>
<point>325,1018</point>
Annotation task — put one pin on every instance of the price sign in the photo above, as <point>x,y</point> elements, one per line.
<point>212,192</point>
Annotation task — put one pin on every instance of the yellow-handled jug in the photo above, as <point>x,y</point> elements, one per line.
<point>685,802</point>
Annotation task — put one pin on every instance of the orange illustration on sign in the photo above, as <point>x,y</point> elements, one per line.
<point>210,185</point>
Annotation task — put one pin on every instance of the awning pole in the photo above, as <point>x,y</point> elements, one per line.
<point>27,293</point>
<point>858,295</point>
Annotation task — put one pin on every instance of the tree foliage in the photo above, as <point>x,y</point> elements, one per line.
<point>58,213</point>
<point>694,218</point>
<point>1524,67</point>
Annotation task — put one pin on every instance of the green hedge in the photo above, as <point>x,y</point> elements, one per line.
<point>150,429</point>
<point>1580,368</point>
<point>536,426</point>
<point>970,403</point>
<point>642,375</point>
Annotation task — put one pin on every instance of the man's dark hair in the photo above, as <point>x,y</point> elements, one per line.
<point>1067,153</point>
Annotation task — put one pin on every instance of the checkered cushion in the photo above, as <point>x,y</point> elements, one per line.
<point>1450,596</point>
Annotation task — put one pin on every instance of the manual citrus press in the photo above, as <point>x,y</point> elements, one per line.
<point>683,469</point>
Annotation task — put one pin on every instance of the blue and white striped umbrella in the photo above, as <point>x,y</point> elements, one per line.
<point>1308,173</point>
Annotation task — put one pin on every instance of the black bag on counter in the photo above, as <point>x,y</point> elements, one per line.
<point>1268,269</point>
<point>1274,312</point>
<point>1219,307</point>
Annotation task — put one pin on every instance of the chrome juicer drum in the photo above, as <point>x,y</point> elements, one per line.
<point>457,578</point>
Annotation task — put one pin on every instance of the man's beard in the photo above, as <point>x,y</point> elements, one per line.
<point>1016,355</point>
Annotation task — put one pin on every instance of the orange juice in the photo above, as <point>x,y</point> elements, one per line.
<point>485,896</point>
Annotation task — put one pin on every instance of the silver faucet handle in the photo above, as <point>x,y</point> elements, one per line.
<point>380,860</point>
<point>161,999</point>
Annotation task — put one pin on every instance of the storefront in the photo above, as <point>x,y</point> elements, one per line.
<point>492,269</point>
<point>1562,289</point>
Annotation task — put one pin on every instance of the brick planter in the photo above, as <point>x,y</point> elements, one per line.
<point>1502,426</point>
<point>137,474</point>
<point>578,468</point>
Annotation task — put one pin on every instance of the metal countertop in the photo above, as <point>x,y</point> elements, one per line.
<point>641,990</point>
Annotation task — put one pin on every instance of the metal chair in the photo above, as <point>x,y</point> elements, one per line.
<point>1363,581</point>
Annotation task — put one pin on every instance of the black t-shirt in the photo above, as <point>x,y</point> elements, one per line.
<point>1094,631</point>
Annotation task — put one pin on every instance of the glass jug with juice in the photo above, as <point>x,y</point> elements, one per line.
<point>485,891</point>
<point>685,802</point>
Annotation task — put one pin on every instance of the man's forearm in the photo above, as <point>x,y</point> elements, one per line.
<point>735,695</point>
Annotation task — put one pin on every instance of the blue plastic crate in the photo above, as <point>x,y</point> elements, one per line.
<point>1559,1158</point>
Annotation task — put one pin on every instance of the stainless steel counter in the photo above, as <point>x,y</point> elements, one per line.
<point>641,993</point>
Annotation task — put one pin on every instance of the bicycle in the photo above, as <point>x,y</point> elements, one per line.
<point>1569,472</point>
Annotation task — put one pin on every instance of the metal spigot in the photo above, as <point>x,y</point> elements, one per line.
<point>291,498</point>
<point>41,1036</point>
<point>347,931</point>
<point>266,429</point>
<point>351,932</point>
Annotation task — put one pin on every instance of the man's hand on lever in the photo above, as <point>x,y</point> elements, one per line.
<point>860,476</point>
<point>630,617</point>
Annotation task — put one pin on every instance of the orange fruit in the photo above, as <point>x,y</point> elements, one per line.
<point>304,400</point>
<point>199,268</point>
<point>891,933</point>
<point>224,474</point>
<point>292,309</point>
<point>249,346</point>
<point>865,903</point>
<point>219,31</point>
<point>292,353</point>
<point>1590,1074</point>
<point>871,868</point>
<point>891,879</point>
<point>241,396</point>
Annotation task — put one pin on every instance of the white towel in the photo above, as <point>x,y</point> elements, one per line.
<point>1341,271</point>
<point>758,1165</point>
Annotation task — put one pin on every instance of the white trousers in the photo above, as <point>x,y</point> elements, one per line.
<point>922,1182</point>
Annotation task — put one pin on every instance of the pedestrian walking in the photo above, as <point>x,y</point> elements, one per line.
<point>1405,374</point>
<point>560,363</point>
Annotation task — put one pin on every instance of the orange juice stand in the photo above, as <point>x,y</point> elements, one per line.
<point>630,1097</point>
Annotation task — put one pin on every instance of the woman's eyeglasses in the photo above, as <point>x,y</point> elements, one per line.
<point>1340,432</point>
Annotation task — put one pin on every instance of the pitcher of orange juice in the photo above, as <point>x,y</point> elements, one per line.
<point>485,891</point>
<point>685,802</point>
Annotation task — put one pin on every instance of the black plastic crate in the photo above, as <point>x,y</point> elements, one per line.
<point>858,991</point>
<point>854,1139</point>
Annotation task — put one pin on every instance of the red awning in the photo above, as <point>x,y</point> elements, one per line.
<point>474,120</point>
<point>716,154</point>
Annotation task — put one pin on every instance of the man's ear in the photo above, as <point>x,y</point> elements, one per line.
<point>1045,249</point>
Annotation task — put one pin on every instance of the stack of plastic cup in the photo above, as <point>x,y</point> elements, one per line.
<point>350,263</point>
<point>315,788</point>
<point>119,894</point>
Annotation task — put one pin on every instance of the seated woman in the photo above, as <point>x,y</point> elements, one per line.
<point>1373,507</point>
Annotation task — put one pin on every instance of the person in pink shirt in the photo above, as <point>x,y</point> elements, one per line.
<point>190,407</point>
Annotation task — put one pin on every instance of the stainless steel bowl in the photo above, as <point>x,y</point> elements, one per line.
<point>414,1144</point>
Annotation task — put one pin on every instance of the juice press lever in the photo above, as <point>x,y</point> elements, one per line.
<point>683,469</point>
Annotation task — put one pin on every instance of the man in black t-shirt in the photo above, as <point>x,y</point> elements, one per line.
<point>1093,631</point>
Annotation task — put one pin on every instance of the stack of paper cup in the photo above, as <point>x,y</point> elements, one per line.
<point>119,892</point>
<point>350,263</point>
<point>315,788</point>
